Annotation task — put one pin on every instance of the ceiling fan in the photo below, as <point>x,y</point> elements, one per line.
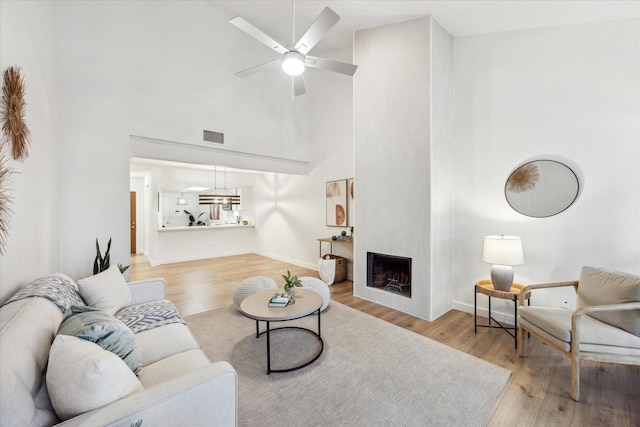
<point>294,61</point>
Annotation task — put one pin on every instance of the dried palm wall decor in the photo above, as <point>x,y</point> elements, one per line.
<point>15,138</point>
<point>5,204</point>
<point>523,179</point>
<point>14,127</point>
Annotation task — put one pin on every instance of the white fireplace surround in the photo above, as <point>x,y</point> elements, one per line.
<point>403,96</point>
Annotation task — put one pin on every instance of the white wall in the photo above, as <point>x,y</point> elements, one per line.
<point>566,93</point>
<point>290,209</point>
<point>442,262</point>
<point>28,39</point>
<point>130,68</point>
<point>152,77</point>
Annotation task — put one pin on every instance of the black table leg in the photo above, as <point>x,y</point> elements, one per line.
<point>268,349</point>
<point>515,320</point>
<point>475,309</point>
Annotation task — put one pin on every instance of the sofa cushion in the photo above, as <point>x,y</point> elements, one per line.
<point>159,343</point>
<point>27,329</point>
<point>172,367</point>
<point>598,286</point>
<point>111,334</point>
<point>107,291</point>
<point>82,376</point>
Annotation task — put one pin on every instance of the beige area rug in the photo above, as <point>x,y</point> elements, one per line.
<point>371,373</point>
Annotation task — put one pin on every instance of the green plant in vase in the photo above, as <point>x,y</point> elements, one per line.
<point>290,283</point>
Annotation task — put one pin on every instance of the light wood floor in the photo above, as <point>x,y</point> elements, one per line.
<point>537,394</point>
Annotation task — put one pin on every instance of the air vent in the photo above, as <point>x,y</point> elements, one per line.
<point>211,136</point>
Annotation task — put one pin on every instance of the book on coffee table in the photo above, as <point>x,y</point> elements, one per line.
<point>278,301</point>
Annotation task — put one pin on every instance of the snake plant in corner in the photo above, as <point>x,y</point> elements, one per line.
<point>101,263</point>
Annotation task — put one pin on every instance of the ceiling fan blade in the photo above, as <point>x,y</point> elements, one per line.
<point>248,28</point>
<point>298,85</point>
<point>331,65</point>
<point>323,23</point>
<point>258,68</point>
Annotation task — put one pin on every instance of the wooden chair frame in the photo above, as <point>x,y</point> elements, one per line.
<point>575,354</point>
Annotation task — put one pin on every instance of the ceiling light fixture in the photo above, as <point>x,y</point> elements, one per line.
<point>182,200</point>
<point>293,63</point>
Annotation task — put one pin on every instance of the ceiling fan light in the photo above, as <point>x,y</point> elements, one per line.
<point>293,63</point>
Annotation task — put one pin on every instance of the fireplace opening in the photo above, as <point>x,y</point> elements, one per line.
<point>390,273</point>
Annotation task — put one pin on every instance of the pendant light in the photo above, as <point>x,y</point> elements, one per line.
<point>221,196</point>
<point>182,200</point>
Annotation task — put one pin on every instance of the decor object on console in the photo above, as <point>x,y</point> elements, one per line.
<point>295,60</point>
<point>605,327</point>
<point>503,252</point>
<point>14,126</point>
<point>541,188</point>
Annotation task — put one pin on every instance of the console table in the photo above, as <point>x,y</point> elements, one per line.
<point>347,242</point>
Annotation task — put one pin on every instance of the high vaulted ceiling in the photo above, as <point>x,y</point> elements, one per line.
<point>459,17</point>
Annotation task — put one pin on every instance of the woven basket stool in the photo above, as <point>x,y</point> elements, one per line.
<point>318,286</point>
<point>251,286</point>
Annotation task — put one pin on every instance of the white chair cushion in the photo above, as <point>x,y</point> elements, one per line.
<point>557,323</point>
<point>107,291</point>
<point>81,376</point>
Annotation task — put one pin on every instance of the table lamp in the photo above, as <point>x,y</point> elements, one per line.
<point>503,252</point>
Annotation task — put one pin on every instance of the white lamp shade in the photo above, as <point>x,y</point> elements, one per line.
<point>503,250</point>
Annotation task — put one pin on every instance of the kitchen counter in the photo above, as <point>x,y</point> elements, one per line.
<point>205,227</point>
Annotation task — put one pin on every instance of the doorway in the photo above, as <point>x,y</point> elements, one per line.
<point>132,219</point>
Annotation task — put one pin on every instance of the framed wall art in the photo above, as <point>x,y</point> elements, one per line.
<point>336,192</point>
<point>350,202</point>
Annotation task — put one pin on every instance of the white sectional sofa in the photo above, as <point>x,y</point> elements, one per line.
<point>176,383</point>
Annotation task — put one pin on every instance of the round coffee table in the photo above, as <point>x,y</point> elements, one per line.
<point>256,307</point>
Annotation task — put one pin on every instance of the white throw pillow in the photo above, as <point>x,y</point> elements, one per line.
<point>82,376</point>
<point>107,291</point>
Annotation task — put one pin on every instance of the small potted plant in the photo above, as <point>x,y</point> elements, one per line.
<point>290,283</point>
<point>193,220</point>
